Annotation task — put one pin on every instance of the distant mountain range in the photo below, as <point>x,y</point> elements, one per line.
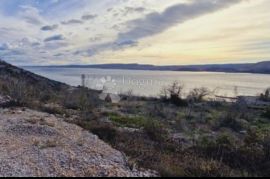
<point>261,67</point>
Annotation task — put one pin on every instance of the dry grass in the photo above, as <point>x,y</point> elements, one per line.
<point>50,143</point>
<point>46,122</point>
<point>32,120</point>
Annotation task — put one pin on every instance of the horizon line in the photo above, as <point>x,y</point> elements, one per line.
<point>58,65</point>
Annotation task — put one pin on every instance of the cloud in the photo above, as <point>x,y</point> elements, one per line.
<point>155,23</point>
<point>89,17</point>
<point>72,21</point>
<point>6,50</point>
<point>26,42</point>
<point>134,10</point>
<point>54,38</point>
<point>31,15</point>
<point>95,39</point>
<point>84,53</point>
<point>49,27</point>
<point>58,55</point>
<point>4,46</point>
<point>114,46</point>
<point>126,25</point>
<point>128,43</point>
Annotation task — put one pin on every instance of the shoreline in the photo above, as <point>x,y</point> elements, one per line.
<point>149,70</point>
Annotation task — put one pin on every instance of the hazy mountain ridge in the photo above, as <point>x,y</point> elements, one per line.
<point>261,67</point>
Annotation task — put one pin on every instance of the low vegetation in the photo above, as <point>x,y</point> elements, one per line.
<point>175,135</point>
<point>174,94</point>
<point>266,95</point>
<point>267,113</point>
<point>201,138</point>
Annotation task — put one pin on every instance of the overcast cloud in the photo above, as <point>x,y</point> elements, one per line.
<point>120,30</point>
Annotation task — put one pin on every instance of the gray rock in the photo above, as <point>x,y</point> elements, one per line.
<point>31,147</point>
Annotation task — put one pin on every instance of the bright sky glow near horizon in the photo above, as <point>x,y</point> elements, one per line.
<point>160,32</point>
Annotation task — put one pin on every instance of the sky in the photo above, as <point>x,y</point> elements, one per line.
<point>160,32</point>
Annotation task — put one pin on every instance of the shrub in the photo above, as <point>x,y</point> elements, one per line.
<point>50,143</point>
<point>136,121</point>
<point>164,94</point>
<point>158,110</point>
<point>225,140</point>
<point>231,118</point>
<point>267,113</point>
<point>128,95</point>
<point>19,91</point>
<point>155,130</point>
<point>45,97</point>
<point>231,122</point>
<point>52,110</point>
<point>252,137</point>
<point>198,94</point>
<point>205,142</point>
<point>83,100</point>
<point>104,131</point>
<point>266,95</point>
<point>266,145</point>
<point>174,94</point>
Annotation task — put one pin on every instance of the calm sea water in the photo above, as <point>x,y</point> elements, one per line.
<point>150,83</point>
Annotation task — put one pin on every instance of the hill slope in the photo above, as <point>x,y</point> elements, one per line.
<point>10,73</point>
<point>261,67</point>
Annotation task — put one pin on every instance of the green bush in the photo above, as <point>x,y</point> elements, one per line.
<point>155,130</point>
<point>225,140</point>
<point>125,121</point>
<point>267,113</point>
<point>230,120</point>
<point>104,131</point>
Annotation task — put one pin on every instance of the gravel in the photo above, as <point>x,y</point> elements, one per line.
<point>35,144</point>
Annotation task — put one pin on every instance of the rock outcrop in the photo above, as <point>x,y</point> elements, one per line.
<point>39,144</point>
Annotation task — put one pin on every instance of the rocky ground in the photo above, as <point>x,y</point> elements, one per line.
<point>174,136</point>
<point>38,144</point>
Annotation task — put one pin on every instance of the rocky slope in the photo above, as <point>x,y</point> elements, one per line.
<point>38,144</point>
<point>9,72</point>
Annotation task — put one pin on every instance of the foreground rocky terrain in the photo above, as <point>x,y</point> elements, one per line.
<point>39,144</point>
